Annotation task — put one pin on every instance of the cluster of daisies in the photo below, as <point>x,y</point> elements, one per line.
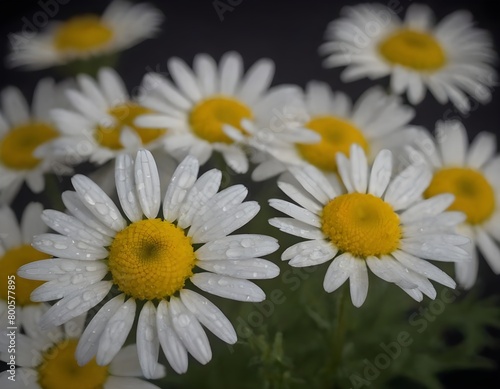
<point>146,238</point>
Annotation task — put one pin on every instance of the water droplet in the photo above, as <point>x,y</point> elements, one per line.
<point>77,279</point>
<point>246,242</point>
<point>183,320</point>
<point>60,246</point>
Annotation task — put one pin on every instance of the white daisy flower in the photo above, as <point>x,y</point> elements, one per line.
<point>46,360</point>
<point>22,133</point>
<point>381,222</point>
<point>151,260</point>
<point>15,251</point>
<point>376,121</point>
<point>452,58</point>
<point>471,174</point>
<point>210,101</point>
<point>101,124</point>
<point>122,25</point>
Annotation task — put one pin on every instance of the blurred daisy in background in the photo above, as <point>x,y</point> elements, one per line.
<point>452,58</point>
<point>82,37</point>
<point>46,360</point>
<point>22,136</point>
<point>471,174</point>
<point>15,251</point>
<point>151,259</point>
<point>376,121</point>
<point>381,223</point>
<point>209,101</point>
<point>101,124</point>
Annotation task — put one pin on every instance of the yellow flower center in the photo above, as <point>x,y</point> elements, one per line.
<point>151,259</point>
<point>82,33</point>
<point>18,145</point>
<point>361,224</point>
<point>413,49</point>
<point>474,196</point>
<point>125,115</point>
<point>337,136</point>
<point>208,117</point>
<point>59,369</point>
<point>12,260</point>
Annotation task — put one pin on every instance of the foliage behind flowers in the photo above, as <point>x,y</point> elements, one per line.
<point>212,227</point>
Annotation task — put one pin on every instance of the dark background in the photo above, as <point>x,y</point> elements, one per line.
<point>289,32</point>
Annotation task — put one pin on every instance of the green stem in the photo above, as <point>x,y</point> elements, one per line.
<point>339,331</point>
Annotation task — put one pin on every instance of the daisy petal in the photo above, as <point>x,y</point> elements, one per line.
<point>189,331</point>
<point>436,251</point>
<point>314,182</point>
<point>338,272</point>
<point>51,269</point>
<point>344,168</point>
<point>125,187</point>
<point>76,207</point>
<point>98,202</point>
<point>253,268</point>
<point>358,282</point>
<point>427,208</point>
<point>489,249</point>
<point>182,180</point>
<point>231,69</point>
<point>256,81</point>
<point>91,90</point>
<point>75,304</point>
<point>206,70</point>
<point>209,315</point>
<point>218,206</point>
<point>15,106</point>
<point>203,190</point>
<point>156,82</point>
<point>89,341</point>
<point>115,332</point>
<point>65,247</point>
<point>237,247</point>
<point>10,234</point>
<point>466,272</point>
<point>73,228</point>
<point>297,228</point>
<point>148,345</point>
<point>113,87</point>
<point>66,284</point>
<point>296,212</point>
<point>184,79</point>
<point>388,269</point>
<point>408,186</point>
<point>299,196</point>
<point>481,150</point>
<point>147,183</point>
<point>491,170</point>
<point>381,173</point>
<point>43,99</point>
<point>452,141</point>
<point>359,169</point>
<point>424,268</point>
<point>228,287</point>
<point>224,224</point>
<point>309,253</point>
<point>172,346</point>
<point>414,293</point>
